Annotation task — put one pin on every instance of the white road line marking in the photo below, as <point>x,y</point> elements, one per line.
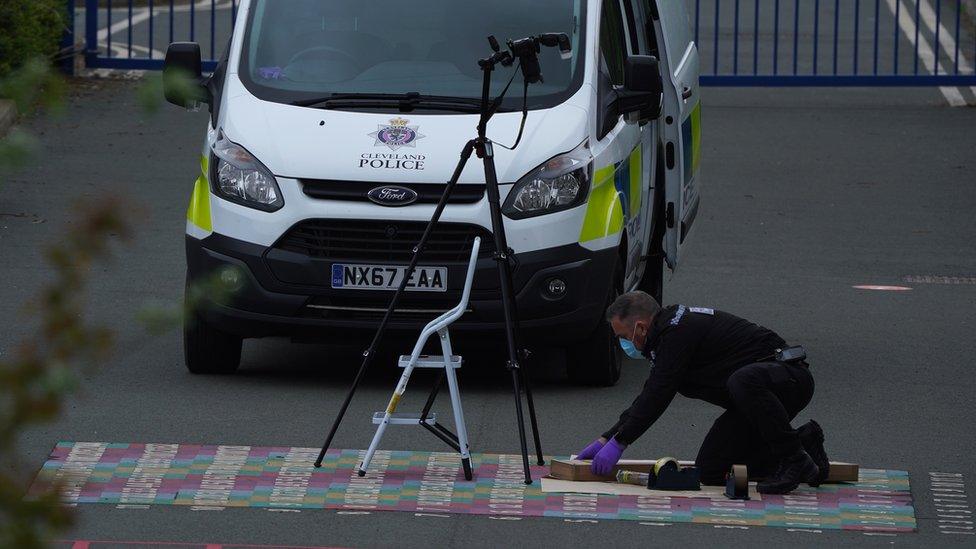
<point>120,51</point>
<point>205,508</point>
<point>435,515</point>
<point>138,16</point>
<point>354,513</point>
<point>935,279</point>
<point>951,503</point>
<point>956,516</point>
<point>925,53</point>
<point>131,506</point>
<point>946,41</point>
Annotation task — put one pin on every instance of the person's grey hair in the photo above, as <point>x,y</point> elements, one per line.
<point>633,304</point>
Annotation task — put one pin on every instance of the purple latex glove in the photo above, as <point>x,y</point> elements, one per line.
<point>270,73</point>
<point>590,450</point>
<point>607,457</point>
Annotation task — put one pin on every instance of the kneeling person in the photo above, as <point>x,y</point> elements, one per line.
<point>730,362</point>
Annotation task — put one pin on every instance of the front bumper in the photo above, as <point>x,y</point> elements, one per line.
<point>267,306</point>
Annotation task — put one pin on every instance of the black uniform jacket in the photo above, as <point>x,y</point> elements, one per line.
<point>693,351</point>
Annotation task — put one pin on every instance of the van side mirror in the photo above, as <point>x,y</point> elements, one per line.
<point>183,75</point>
<point>643,90</point>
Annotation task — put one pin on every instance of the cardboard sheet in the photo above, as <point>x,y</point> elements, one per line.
<point>551,485</point>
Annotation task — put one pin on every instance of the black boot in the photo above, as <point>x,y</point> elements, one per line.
<point>812,437</point>
<point>793,470</point>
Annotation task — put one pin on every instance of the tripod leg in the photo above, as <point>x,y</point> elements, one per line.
<point>508,296</point>
<point>433,394</point>
<point>345,405</point>
<point>521,423</point>
<point>532,418</point>
<point>368,354</point>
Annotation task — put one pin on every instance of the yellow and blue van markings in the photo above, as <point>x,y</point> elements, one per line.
<point>691,140</point>
<point>199,211</point>
<point>614,198</point>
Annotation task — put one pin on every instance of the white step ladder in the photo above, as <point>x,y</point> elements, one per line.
<point>449,362</point>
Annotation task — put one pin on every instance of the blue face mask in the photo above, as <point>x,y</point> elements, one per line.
<point>629,348</point>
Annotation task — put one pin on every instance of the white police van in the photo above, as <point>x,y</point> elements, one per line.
<point>335,125</point>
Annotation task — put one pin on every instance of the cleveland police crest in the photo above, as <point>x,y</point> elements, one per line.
<point>396,134</point>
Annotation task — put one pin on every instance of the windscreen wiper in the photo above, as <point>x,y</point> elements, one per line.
<point>405,102</point>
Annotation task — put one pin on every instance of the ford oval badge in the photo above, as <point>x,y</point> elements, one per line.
<point>392,195</point>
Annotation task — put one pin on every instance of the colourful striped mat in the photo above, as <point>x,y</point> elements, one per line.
<point>432,482</point>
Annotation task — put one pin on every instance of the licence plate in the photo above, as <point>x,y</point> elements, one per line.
<point>387,277</point>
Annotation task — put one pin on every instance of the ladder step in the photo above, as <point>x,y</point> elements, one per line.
<point>430,361</point>
<point>404,418</point>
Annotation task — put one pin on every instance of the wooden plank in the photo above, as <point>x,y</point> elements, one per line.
<point>579,470</point>
<point>843,472</point>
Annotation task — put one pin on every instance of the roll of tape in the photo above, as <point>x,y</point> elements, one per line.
<point>741,475</point>
<point>664,462</point>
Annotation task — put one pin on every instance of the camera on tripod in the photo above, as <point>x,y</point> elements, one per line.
<point>526,50</point>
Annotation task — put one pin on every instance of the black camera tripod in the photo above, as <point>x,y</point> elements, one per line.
<point>525,50</point>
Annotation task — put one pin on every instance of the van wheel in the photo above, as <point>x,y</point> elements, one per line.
<point>597,360</point>
<point>653,280</point>
<point>207,350</point>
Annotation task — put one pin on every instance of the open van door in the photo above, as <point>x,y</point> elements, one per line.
<point>682,121</point>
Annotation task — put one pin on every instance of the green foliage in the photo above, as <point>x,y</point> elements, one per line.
<point>177,84</point>
<point>40,371</point>
<point>149,94</point>
<point>32,85</point>
<point>37,374</point>
<point>200,294</point>
<point>28,29</point>
<point>17,149</point>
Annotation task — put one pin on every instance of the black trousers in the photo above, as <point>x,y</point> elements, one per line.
<point>755,430</point>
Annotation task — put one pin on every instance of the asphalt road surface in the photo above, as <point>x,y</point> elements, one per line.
<point>807,194</point>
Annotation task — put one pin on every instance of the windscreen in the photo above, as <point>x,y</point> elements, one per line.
<point>302,49</point>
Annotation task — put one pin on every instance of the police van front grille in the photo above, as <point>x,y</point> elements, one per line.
<point>362,240</point>
<point>427,193</point>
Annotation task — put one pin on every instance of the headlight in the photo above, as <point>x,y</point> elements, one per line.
<point>561,183</point>
<point>239,177</point>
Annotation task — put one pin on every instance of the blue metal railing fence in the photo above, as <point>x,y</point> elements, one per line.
<point>741,42</point>
<point>134,34</point>
<point>835,42</point>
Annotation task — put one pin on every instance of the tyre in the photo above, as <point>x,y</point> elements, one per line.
<point>207,350</point>
<point>597,360</point>
<point>652,281</point>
